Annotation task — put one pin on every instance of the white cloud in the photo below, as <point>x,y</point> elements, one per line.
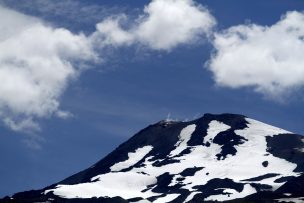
<point>168,23</point>
<point>109,32</point>
<point>267,58</point>
<point>25,125</point>
<point>164,25</point>
<point>36,64</point>
<point>64,114</point>
<point>37,61</point>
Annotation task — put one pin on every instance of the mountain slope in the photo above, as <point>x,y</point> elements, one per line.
<point>223,157</point>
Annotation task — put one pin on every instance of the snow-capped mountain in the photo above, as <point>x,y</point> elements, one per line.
<point>223,157</point>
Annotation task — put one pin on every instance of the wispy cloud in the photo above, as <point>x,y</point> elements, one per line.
<point>72,14</point>
<point>267,58</point>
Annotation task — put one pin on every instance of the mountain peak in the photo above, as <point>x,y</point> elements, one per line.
<point>218,157</point>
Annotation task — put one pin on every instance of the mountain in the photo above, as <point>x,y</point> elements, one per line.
<point>224,157</point>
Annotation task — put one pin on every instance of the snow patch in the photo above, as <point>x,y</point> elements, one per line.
<point>124,184</point>
<point>293,200</point>
<point>214,128</point>
<point>265,129</point>
<point>190,197</point>
<point>167,198</point>
<point>232,194</point>
<point>134,157</point>
<point>184,137</point>
<point>142,201</point>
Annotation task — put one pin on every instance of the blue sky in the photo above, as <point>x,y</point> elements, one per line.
<point>87,94</point>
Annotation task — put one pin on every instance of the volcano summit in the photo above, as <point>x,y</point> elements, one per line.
<point>224,158</point>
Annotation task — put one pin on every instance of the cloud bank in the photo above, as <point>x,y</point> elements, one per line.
<point>38,61</point>
<point>267,58</point>
<point>164,25</point>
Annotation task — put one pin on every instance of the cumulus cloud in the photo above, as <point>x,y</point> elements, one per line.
<point>36,64</point>
<point>266,58</point>
<point>164,25</point>
<point>37,60</point>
